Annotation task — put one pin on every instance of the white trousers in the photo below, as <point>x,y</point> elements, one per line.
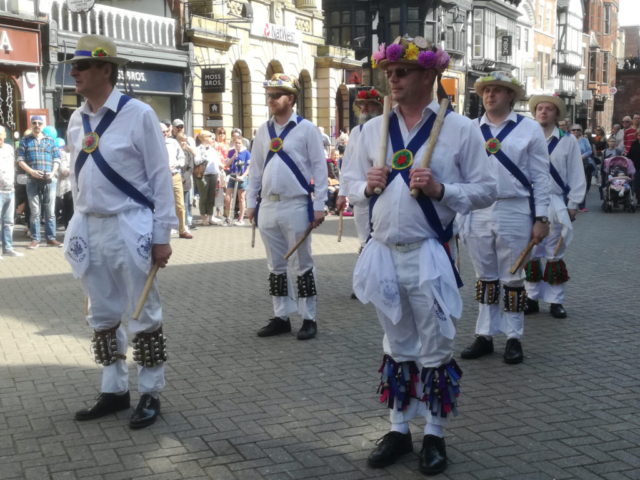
<point>416,337</point>
<point>281,225</point>
<point>113,284</point>
<point>497,236</point>
<point>542,290</point>
<point>363,226</point>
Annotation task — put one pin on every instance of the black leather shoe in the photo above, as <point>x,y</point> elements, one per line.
<point>513,352</point>
<point>390,447</point>
<point>308,330</point>
<point>146,412</point>
<point>354,296</point>
<point>276,327</point>
<point>558,311</point>
<point>531,307</point>
<point>107,403</point>
<point>433,456</point>
<point>481,346</point>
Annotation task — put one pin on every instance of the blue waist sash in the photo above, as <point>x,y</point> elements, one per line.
<point>554,173</point>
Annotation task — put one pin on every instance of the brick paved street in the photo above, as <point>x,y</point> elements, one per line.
<point>240,407</point>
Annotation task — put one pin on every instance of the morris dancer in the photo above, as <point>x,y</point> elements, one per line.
<point>496,236</point>
<point>124,213</point>
<point>370,104</point>
<point>568,186</point>
<point>406,269</point>
<point>287,152</point>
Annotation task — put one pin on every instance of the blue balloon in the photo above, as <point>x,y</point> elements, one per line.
<point>50,131</point>
<point>60,142</point>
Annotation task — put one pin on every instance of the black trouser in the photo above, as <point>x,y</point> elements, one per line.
<point>64,208</point>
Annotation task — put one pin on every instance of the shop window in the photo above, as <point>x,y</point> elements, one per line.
<point>335,18</point>
<point>605,68</point>
<point>593,67</point>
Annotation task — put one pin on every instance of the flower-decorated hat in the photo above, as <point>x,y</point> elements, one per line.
<point>368,96</point>
<point>550,98</point>
<point>504,79</point>
<point>97,47</point>
<point>288,83</point>
<point>412,51</point>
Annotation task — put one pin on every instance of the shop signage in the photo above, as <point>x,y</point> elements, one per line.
<point>141,81</point>
<point>353,76</point>
<point>214,120</point>
<point>613,90</point>
<point>19,46</point>
<point>450,86</point>
<point>213,80</point>
<point>80,6</point>
<point>214,108</point>
<point>271,31</point>
<point>507,45</point>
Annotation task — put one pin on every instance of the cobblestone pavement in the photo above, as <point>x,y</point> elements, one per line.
<point>240,407</point>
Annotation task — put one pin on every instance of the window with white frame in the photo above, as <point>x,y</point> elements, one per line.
<point>478,32</point>
<point>519,37</point>
<point>430,26</point>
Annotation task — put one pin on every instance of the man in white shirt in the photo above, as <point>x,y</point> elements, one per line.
<point>496,236</point>
<point>124,213</point>
<point>7,195</point>
<point>406,269</point>
<point>618,133</point>
<point>176,163</point>
<point>568,186</point>
<point>287,153</point>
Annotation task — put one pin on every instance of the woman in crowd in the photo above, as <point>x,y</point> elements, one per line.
<point>634,156</point>
<point>221,142</point>
<point>208,165</point>
<point>600,141</point>
<point>238,165</point>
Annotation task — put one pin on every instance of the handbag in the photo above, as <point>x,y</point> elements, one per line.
<point>198,170</point>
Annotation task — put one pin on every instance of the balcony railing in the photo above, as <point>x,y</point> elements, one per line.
<point>116,23</point>
<point>570,60</point>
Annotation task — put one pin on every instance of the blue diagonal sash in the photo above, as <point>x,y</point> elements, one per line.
<point>110,174</point>
<point>506,161</point>
<point>554,173</point>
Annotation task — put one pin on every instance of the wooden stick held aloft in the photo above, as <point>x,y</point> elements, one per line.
<point>299,242</point>
<point>384,137</point>
<point>340,227</point>
<point>433,139</point>
<point>145,293</point>
<point>558,245</point>
<point>521,258</point>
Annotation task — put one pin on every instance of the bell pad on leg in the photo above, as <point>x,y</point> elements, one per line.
<point>104,345</point>
<point>515,299</point>
<point>278,286</point>
<point>306,285</point>
<point>442,388</point>
<point>397,383</point>
<point>488,292</point>
<point>533,271</point>
<point>556,273</point>
<point>150,349</point>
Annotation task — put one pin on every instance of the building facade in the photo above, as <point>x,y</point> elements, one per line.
<point>569,53</point>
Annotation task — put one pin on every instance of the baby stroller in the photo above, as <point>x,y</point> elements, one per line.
<point>619,173</point>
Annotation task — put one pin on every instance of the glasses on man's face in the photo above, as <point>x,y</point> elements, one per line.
<point>83,65</point>
<point>400,72</point>
<point>179,127</point>
<point>36,124</point>
<point>276,96</point>
<point>576,130</point>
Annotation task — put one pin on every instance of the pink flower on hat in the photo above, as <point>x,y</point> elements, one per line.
<point>380,54</point>
<point>427,59</point>
<point>394,52</point>
<point>442,59</point>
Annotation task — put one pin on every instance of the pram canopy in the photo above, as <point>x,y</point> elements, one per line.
<point>620,162</point>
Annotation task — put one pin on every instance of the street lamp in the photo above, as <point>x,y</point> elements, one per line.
<point>458,22</point>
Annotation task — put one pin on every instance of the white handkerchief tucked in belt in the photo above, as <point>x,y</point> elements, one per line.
<point>558,214</point>
<point>76,244</point>
<point>136,228</point>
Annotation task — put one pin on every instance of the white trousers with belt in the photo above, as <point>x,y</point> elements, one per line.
<point>113,284</point>
<point>363,226</point>
<point>281,225</point>
<point>497,235</point>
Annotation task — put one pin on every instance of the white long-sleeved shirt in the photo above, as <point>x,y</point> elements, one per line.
<point>141,159</point>
<point>176,155</point>
<point>304,145</point>
<point>527,149</point>
<point>347,162</point>
<point>459,162</point>
<point>567,160</point>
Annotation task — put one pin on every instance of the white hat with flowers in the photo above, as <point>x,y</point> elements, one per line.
<point>504,79</point>
<point>288,83</point>
<point>412,51</point>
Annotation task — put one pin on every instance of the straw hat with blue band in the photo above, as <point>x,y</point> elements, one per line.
<point>98,48</point>
<point>549,98</point>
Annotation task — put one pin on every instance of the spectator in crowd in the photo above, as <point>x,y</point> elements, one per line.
<point>176,162</point>
<point>187,174</point>
<point>562,125</point>
<point>63,190</point>
<point>634,156</point>
<point>611,151</point>
<point>236,132</point>
<point>38,155</point>
<point>343,138</point>
<point>600,141</point>
<point>630,127</point>
<point>7,176</point>
<point>586,152</point>
<point>221,142</point>
<point>333,175</point>
<point>178,127</point>
<point>167,123</point>
<point>326,141</point>
<point>619,136</point>
<point>238,165</point>
<point>567,124</point>
<point>208,163</point>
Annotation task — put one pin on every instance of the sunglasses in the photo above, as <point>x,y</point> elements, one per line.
<point>83,65</point>
<point>276,96</point>
<point>37,124</point>
<point>576,130</point>
<point>400,72</point>
<point>179,126</point>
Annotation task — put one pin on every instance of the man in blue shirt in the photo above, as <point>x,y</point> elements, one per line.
<point>38,155</point>
<point>238,165</point>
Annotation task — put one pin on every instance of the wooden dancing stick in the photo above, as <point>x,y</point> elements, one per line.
<point>558,245</point>
<point>523,255</point>
<point>433,139</point>
<point>340,228</point>
<point>253,234</point>
<point>86,310</point>
<point>299,242</point>
<point>147,289</point>
<point>384,137</point>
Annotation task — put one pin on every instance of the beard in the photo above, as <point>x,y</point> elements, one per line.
<point>365,117</point>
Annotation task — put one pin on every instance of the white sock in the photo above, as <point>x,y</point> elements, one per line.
<point>400,427</point>
<point>430,429</point>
